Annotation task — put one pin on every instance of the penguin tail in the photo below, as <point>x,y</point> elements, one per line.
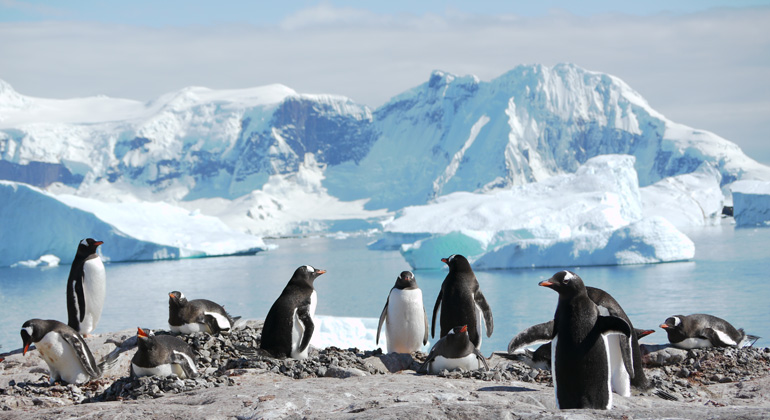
<point>749,340</point>
<point>109,360</point>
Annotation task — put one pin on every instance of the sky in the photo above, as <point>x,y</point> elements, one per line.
<point>700,63</point>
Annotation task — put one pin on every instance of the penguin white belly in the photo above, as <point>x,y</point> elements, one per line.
<point>160,370</point>
<point>405,321</point>
<point>610,367</point>
<point>62,360</point>
<point>298,330</point>
<point>94,288</point>
<point>469,362</point>
<point>554,344</point>
<point>620,379</point>
<point>189,328</point>
<point>694,343</point>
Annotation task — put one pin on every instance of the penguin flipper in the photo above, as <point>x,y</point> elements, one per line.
<point>382,319</point>
<point>424,366</point>
<point>486,310</point>
<point>613,325</point>
<point>481,357</point>
<point>303,313</point>
<point>185,362</point>
<point>81,296</point>
<point>435,312</point>
<point>425,336</point>
<point>536,334</point>
<point>87,359</point>
<point>718,339</point>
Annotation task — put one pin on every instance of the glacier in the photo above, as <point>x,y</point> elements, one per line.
<point>751,203</point>
<point>592,217</point>
<point>46,227</point>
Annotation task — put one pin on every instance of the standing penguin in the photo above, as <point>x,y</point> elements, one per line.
<point>407,322</point>
<point>191,316</point>
<point>454,351</point>
<point>629,369</point>
<point>580,359</point>
<point>289,323</point>
<point>703,330</point>
<point>68,357</point>
<point>162,355</point>
<point>86,287</point>
<point>462,302</point>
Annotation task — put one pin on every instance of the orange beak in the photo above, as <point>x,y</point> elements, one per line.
<point>464,329</point>
<point>664,326</point>
<point>321,272</point>
<point>445,261</point>
<point>140,332</point>
<point>26,349</point>
<point>171,295</point>
<point>97,243</point>
<point>545,283</point>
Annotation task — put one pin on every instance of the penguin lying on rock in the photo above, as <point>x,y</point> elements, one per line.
<point>580,352</point>
<point>698,331</point>
<point>191,316</point>
<point>454,351</point>
<point>630,370</point>
<point>162,355</point>
<point>65,352</point>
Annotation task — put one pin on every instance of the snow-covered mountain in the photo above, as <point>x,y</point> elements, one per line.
<point>271,161</point>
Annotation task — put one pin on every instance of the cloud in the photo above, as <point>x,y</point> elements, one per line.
<point>707,69</point>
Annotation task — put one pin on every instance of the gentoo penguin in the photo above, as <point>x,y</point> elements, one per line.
<point>454,351</point>
<point>701,330</point>
<point>68,357</point>
<point>629,369</point>
<point>462,302</point>
<point>162,355</point>
<point>580,352</point>
<point>86,287</point>
<point>289,323</point>
<point>407,322</point>
<point>191,316</point>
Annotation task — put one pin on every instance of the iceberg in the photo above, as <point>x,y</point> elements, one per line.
<point>751,202</point>
<point>693,199</point>
<point>346,332</point>
<point>45,225</point>
<point>591,217</point>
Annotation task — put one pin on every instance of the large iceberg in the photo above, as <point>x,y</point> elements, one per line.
<point>693,199</point>
<point>44,225</point>
<point>591,217</point>
<point>751,202</point>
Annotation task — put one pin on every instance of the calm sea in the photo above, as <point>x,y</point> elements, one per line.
<point>728,278</point>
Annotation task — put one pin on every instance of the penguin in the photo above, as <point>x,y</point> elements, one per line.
<point>86,287</point>
<point>407,321</point>
<point>580,352</point>
<point>454,351</point>
<point>462,302</point>
<point>702,330</point>
<point>191,316</point>
<point>68,357</point>
<point>162,355</point>
<point>625,371</point>
<point>289,324</point>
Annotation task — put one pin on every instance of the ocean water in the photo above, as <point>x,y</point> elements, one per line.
<point>728,278</point>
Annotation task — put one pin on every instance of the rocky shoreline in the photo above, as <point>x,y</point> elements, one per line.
<point>238,381</point>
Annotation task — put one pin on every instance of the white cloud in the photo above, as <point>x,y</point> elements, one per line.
<point>707,70</point>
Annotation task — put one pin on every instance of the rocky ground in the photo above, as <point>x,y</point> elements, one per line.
<point>238,381</point>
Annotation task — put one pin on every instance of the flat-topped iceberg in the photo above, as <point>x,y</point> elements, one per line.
<point>592,217</point>
<point>46,225</point>
<point>693,199</point>
<point>751,202</point>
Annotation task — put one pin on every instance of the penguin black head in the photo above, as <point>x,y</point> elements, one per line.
<point>305,275</point>
<point>31,332</point>
<point>457,262</point>
<point>144,338</point>
<point>566,283</point>
<point>674,328</point>
<point>177,298</point>
<point>458,334</point>
<point>87,247</point>
<point>406,280</point>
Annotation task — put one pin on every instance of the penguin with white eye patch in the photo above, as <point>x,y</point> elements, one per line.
<point>289,325</point>
<point>405,317</point>
<point>702,330</point>
<point>454,351</point>
<point>191,316</point>
<point>580,352</point>
<point>65,352</point>
<point>162,355</point>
